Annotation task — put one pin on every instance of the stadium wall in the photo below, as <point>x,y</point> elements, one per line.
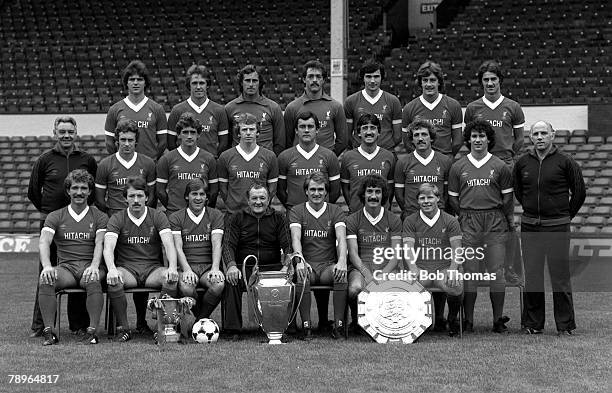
<point>569,117</point>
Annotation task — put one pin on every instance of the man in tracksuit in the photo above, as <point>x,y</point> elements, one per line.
<point>47,193</point>
<point>257,230</point>
<point>550,187</point>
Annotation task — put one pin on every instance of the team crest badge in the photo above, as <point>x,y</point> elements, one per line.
<point>141,171</point>
<point>210,120</point>
<point>91,225</point>
<point>261,164</point>
<point>384,108</point>
<point>438,171</point>
<point>492,174</point>
<point>149,115</point>
<point>263,116</point>
<point>327,115</point>
<point>504,115</point>
<point>202,167</point>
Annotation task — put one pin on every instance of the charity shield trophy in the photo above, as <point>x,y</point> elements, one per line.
<point>395,311</point>
<point>272,295</point>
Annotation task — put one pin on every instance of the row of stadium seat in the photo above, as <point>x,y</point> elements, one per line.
<point>83,46</point>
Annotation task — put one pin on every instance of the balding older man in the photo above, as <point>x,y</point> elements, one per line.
<point>550,187</point>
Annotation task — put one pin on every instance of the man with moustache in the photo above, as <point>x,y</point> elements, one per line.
<point>370,227</point>
<point>368,158</point>
<point>177,167</point>
<point>111,178</point>
<point>296,163</point>
<point>332,131</point>
<point>215,129</point>
<point>372,99</point>
<point>133,252</point>
<point>480,191</point>
<point>442,111</point>
<point>255,230</point>
<point>78,230</point>
<point>251,81</point>
<point>318,232</point>
<point>546,174</point>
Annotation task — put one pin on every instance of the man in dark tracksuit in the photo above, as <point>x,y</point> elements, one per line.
<point>550,187</point>
<point>257,230</point>
<point>47,193</point>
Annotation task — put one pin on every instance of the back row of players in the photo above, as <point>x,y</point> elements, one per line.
<point>432,120</point>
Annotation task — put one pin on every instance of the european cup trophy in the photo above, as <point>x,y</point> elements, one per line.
<point>272,295</point>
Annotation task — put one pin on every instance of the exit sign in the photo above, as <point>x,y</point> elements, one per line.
<point>428,8</point>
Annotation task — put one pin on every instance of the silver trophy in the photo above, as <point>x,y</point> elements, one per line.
<point>272,295</point>
<point>170,312</point>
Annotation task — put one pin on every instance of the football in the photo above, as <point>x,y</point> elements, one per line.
<point>205,331</point>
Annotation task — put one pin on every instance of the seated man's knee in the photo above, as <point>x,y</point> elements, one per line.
<point>217,288</point>
<point>186,289</point>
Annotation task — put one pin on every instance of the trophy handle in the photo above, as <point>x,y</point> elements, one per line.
<point>296,306</point>
<point>250,293</point>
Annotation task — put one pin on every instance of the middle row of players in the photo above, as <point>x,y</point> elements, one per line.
<point>248,162</point>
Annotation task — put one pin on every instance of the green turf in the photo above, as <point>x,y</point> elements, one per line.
<point>481,362</point>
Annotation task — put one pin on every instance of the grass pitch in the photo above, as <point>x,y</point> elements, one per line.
<point>481,362</point>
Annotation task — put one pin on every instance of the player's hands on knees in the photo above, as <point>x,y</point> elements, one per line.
<point>91,274</point>
<point>114,277</point>
<point>340,272</point>
<point>172,275</point>
<point>216,276</point>
<point>190,278</point>
<point>48,275</point>
<point>233,275</point>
